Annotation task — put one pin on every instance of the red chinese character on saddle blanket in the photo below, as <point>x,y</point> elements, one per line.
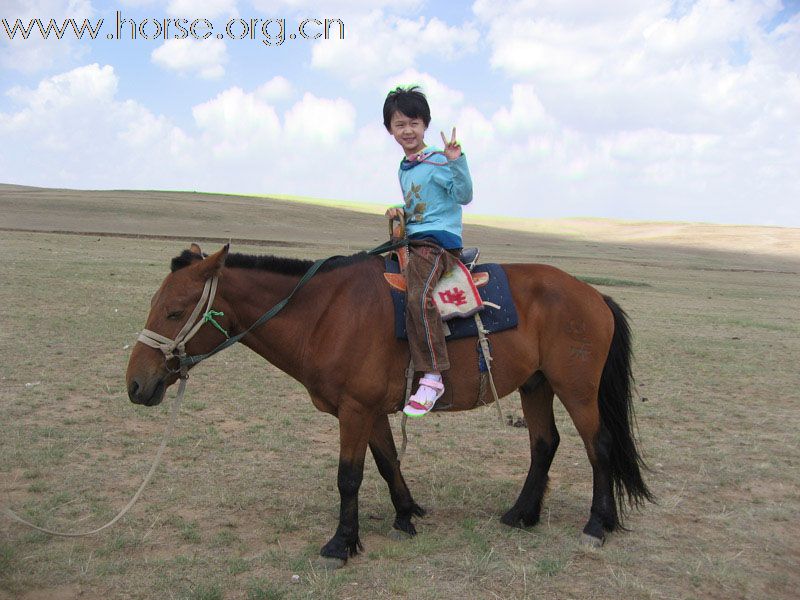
<point>453,296</point>
<point>456,295</point>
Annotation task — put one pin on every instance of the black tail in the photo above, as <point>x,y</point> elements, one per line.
<point>616,415</point>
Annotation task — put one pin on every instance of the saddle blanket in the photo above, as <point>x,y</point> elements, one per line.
<point>496,291</point>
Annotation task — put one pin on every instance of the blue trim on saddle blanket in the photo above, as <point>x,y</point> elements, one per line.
<point>494,320</point>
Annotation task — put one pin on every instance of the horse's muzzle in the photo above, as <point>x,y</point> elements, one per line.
<point>149,395</point>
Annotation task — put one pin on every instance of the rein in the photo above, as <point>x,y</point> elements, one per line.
<point>186,361</point>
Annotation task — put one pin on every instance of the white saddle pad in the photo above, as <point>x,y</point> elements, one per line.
<point>456,294</point>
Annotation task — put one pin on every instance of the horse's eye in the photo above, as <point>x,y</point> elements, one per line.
<point>175,315</point>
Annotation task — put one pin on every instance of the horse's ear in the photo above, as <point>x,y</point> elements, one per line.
<point>212,265</point>
<point>195,249</point>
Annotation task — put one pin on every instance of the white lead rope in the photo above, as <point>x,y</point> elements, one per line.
<point>167,434</point>
<point>168,347</point>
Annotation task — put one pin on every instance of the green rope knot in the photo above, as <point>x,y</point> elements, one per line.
<point>209,318</point>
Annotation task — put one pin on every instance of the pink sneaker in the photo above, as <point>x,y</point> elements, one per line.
<point>422,402</point>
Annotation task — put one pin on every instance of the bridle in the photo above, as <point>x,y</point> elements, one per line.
<point>176,348</point>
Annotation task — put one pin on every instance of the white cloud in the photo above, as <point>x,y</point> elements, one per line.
<point>638,66</point>
<point>236,123</point>
<point>57,9</point>
<point>606,121</point>
<point>245,145</point>
<point>377,44</point>
<point>201,9</point>
<point>474,130</point>
<point>77,133</point>
<point>574,11</point>
<point>203,57</point>
<point>320,120</point>
<point>331,7</point>
<point>276,89</point>
<point>526,114</point>
<point>782,46</point>
<point>91,84</point>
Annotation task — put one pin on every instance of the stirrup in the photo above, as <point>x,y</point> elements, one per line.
<point>418,407</point>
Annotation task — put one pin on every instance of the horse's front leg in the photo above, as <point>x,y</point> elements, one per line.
<point>381,443</point>
<point>355,428</point>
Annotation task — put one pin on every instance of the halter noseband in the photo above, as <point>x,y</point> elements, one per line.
<point>176,348</point>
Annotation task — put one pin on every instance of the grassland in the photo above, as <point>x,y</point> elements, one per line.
<point>247,492</point>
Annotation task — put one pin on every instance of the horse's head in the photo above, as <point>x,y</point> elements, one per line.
<point>151,370</point>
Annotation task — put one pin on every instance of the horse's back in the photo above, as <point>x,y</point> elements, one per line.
<point>570,319</point>
<point>555,291</point>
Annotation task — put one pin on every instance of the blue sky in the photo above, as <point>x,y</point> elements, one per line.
<point>632,109</point>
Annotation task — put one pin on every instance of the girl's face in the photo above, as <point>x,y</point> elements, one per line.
<point>409,132</point>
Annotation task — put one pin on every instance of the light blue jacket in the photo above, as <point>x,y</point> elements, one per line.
<point>434,190</point>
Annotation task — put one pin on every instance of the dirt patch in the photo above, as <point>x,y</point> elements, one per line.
<point>62,592</point>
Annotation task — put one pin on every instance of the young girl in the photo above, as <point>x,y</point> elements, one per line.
<point>435,184</point>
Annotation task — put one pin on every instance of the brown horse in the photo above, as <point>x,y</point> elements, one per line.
<point>336,337</point>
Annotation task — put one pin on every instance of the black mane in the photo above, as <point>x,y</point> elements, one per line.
<point>185,258</point>
<point>274,264</point>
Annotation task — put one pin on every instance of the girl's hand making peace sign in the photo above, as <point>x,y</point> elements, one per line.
<point>452,149</point>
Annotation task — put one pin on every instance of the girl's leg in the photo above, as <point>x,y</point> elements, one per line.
<point>425,333</point>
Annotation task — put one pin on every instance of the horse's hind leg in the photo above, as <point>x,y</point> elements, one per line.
<point>585,413</point>
<point>381,443</point>
<point>537,406</point>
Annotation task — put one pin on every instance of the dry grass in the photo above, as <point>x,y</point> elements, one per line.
<point>247,493</point>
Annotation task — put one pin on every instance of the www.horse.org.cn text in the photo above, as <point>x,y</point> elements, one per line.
<point>271,32</point>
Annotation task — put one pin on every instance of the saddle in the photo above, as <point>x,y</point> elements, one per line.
<point>498,314</point>
<point>456,294</point>
<point>468,257</point>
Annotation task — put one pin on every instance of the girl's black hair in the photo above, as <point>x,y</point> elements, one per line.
<point>409,101</point>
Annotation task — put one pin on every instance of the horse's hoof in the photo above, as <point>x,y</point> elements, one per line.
<point>399,536</point>
<point>330,563</point>
<point>511,520</point>
<point>517,520</point>
<point>591,541</point>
